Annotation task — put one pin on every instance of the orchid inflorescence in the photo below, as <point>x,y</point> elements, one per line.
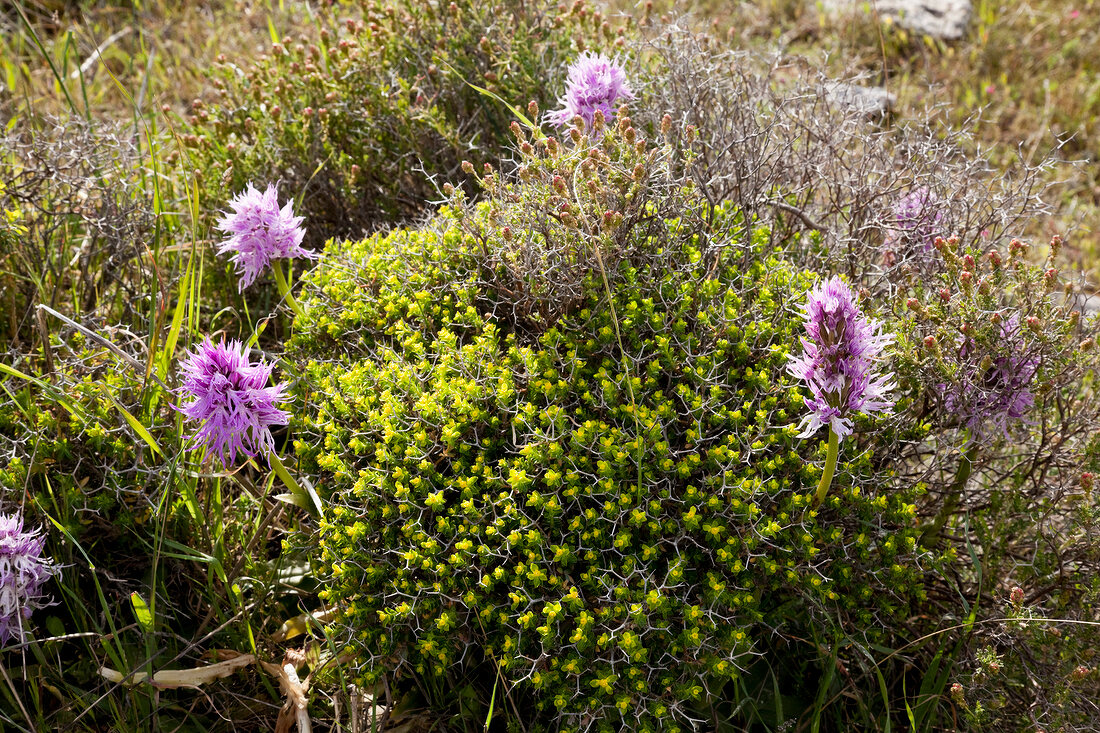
<point>230,399</point>
<point>838,361</point>
<point>595,83</point>
<point>261,232</point>
<point>23,571</point>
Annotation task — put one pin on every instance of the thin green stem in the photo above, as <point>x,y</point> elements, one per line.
<point>284,288</point>
<point>830,467</point>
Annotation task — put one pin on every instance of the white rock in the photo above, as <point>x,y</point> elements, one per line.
<point>938,18</point>
<point>869,101</point>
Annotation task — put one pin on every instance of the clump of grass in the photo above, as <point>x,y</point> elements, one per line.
<point>108,61</point>
<point>368,116</point>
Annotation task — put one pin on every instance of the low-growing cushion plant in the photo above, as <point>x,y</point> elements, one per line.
<point>559,444</point>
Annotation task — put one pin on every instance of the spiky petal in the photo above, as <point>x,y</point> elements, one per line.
<point>230,400</point>
<point>23,571</point>
<point>595,83</point>
<point>259,232</point>
<point>838,362</point>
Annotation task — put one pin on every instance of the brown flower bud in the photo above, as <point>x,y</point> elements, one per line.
<point>1055,245</point>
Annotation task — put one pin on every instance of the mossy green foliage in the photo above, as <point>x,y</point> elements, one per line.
<point>365,120</point>
<point>613,525</point>
<point>69,448</point>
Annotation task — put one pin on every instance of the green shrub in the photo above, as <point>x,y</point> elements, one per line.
<point>365,121</point>
<point>981,328</point>
<point>557,438</point>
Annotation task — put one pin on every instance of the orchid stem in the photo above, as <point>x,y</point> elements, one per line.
<point>306,498</point>
<point>830,467</point>
<point>284,288</point>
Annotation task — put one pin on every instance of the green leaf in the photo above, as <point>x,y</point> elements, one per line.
<point>301,494</point>
<point>46,387</point>
<point>177,320</point>
<point>134,423</point>
<point>141,611</point>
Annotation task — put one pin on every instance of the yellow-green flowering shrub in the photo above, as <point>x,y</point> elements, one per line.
<point>555,437</point>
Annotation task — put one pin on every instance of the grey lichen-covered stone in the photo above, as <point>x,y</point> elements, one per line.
<point>869,101</point>
<point>946,19</point>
